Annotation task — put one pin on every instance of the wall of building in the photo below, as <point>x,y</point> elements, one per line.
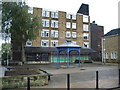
<point>110,45</point>
<point>62,29</point>
<point>96,37</point>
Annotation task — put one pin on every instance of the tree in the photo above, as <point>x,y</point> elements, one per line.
<point>21,24</point>
<point>5,51</point>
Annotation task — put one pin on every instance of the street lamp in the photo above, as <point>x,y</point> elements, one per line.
<point>103,51</point>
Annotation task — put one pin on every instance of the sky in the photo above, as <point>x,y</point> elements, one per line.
<point>103,12</point>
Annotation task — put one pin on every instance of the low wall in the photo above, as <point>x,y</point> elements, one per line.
<point>21,81</point>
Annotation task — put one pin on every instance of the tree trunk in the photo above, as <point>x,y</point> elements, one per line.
<point>23,54</point>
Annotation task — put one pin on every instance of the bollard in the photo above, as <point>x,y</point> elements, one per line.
<point>97,80</point>
<point>119,77</point>
<point>68,81</point>
<point>28,84</point>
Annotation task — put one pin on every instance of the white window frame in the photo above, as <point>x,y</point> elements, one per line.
<point>54,43</point>
<point>68,25</point>
<point>85,18</point>
<point>106,55</point>
<point>86,43</point>
<point>73,17</point>
<point>54,33</point>
<point>74,34</point>
<point>45,13</point>
<point>85,27</point>
<point>85,35</point>
<point>54,14</point>
<point>73,25</point>
<point>30,10</point>
<point>45,33</point>
<point>30,43</point>
<point>113,55</point>
<point>68,34</point>
<point>46,41</point>
<point>45,23</point>
<point>54,24</point>
<point>68,16</point>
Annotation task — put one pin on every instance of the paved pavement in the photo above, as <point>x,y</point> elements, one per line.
<point>83,77</point>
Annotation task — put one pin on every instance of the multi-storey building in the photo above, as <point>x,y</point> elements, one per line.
<point>58,26</point>
<point>97,33</point>
<point>110,46</point>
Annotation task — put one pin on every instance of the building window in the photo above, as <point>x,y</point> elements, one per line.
<point>113,55</point>
<point>54,43</point>
<point>85,36</point>
<point>45,13</point>
<point>54,14</point>
<point>86,45</point>
<point>68,25</point>
<point>73,25</point>
<point>30,10</point>
<point>74,34</point>
<point>54,24</point>
<point>45,43</point>
<point>54,33</point>
<point>45,23</point>
<point>68,34</point>
<point>85,18</point>
<point>74,17</point>
<point>105,55</point>
<point>68,16</point>
<point>85,27</point>
<point>45,33</point>
<point>28,43</point>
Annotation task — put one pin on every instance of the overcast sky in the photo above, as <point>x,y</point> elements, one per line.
<point>104,12</point>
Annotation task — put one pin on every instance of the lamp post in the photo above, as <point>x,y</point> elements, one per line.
<point>103,51</point>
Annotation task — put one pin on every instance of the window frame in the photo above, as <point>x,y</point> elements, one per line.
<point>68,16</point>
<point>43,31</point>
<point>28,41</point>
<point>68,32</point>
<point>47,45</point>
<point>68,24</point>
<point>73,34</point>
<point>74,25</point>
<point>45,13</point>
<point>54,24</point>
<point>85,27</point>
<point>45,22</point>
<point>85,18</point>
<point>85,35</point>
<point>54,34</point>
<point>55,42</point>
<point>54,14</point>
<point>74,17</point>
<point>86,44</point>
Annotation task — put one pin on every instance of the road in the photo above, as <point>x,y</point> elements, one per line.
<point>77,77</point>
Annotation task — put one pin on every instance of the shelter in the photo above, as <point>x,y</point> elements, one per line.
<point>68,47</point>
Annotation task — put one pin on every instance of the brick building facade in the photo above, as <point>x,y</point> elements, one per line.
<point>58,26</point>
<point>110,46</point>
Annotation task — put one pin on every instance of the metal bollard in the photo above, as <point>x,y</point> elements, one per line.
<point>97,80</point>
<point>119,77</point>
<point>28,84</point>
<point>68,81</point>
